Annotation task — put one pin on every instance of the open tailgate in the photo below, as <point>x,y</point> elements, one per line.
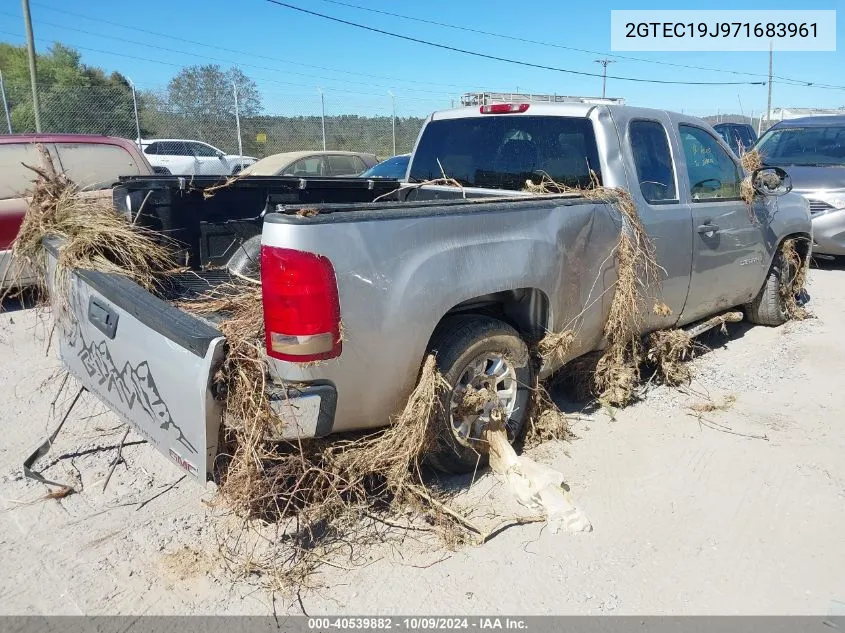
<point>149,362</point>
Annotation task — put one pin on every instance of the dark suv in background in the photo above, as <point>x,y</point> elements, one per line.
<point>738,136</point>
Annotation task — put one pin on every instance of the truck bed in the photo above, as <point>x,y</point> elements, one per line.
<point>153,363</point>
<point>209,229</point>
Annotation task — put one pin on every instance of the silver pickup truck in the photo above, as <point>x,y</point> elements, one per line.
<point>356,294</point>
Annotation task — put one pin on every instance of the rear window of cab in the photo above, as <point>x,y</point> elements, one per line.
<point>502,152</point>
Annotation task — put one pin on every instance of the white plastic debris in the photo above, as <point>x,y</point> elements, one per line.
<point>535,486</point>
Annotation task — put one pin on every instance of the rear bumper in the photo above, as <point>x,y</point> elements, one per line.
<point>829,233</point>
<point>304,410</point>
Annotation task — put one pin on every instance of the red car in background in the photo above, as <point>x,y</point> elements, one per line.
<point>93,162</point>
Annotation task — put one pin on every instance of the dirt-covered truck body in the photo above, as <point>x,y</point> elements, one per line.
<point>355,294</point>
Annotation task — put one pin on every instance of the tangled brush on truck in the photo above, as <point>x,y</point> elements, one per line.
<point>638,278</point>
<point>751,161</point>
<point>95,236</point>
<point>326,489</point>
<point>794,279</point>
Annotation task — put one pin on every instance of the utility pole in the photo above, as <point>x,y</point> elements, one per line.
<point>135,110</point>
<point>393,118</point>
<point>769,105</point>
<point>30,49</point>
<point>604,63</point>
<point>323,115</point>
<point>238,127</point>
<point>5,103</point>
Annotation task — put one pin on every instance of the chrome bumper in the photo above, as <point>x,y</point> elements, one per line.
<point>829,233</point>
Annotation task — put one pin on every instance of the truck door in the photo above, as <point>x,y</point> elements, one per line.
<point>727,240</point>
<point>665,215</point>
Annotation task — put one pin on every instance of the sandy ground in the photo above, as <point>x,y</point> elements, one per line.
<point>741,512</point>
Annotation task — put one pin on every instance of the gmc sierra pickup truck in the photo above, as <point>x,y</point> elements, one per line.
<point>474,273</point>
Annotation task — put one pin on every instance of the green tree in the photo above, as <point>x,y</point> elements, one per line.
<point>200,102</point>
<point>74,98</point>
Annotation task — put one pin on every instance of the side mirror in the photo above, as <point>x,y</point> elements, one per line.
<point>771,181</point>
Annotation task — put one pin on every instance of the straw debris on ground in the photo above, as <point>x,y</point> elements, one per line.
<point>708,406</point>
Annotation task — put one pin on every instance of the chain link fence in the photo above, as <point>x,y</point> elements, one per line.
<point>288,123</point>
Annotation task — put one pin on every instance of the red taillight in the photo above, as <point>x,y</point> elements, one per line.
<point>301,305</point>
<point>504,108</point>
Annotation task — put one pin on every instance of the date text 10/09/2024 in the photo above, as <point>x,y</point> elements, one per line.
<point>417,624</point>
<point>720,29</point>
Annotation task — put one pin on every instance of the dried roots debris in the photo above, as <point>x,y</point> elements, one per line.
<point>638,278</point>
<point>638,274</point>
<point>794,280</point>
<point>321,494</point>
<point>545,420</point>
<point>668,351</point>
<point>95,236</point>
<point>554,346</point>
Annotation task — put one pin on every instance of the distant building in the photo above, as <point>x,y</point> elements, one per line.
<point>485,98</point>
<point>784,114</point>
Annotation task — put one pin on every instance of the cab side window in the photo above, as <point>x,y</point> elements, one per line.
<point>653,160</point>
<point>713,175</point>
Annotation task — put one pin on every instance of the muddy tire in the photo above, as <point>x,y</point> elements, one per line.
<point>769,307</point>
<point>479,347</point>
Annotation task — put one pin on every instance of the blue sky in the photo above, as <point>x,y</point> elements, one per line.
<point>281,50</point>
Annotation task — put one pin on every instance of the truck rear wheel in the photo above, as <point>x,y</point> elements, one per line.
<point>477,353</point>
<point>769,307</point>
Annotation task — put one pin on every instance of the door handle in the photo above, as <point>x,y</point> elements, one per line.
<point>708,228</point>
<point>102,317</point>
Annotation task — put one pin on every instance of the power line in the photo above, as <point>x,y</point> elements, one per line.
<point>508,60</point>
<point>217,59</point>
<point>797,82</point>
<point>241,52</point>
<point>175,65</point>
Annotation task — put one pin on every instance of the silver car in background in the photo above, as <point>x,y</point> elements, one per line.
<point>812,151</point>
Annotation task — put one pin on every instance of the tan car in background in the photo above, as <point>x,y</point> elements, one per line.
<point>91,161</point>
<point>312,164</point>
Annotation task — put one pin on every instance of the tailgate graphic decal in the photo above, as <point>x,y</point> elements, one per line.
<point>132,385</point>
